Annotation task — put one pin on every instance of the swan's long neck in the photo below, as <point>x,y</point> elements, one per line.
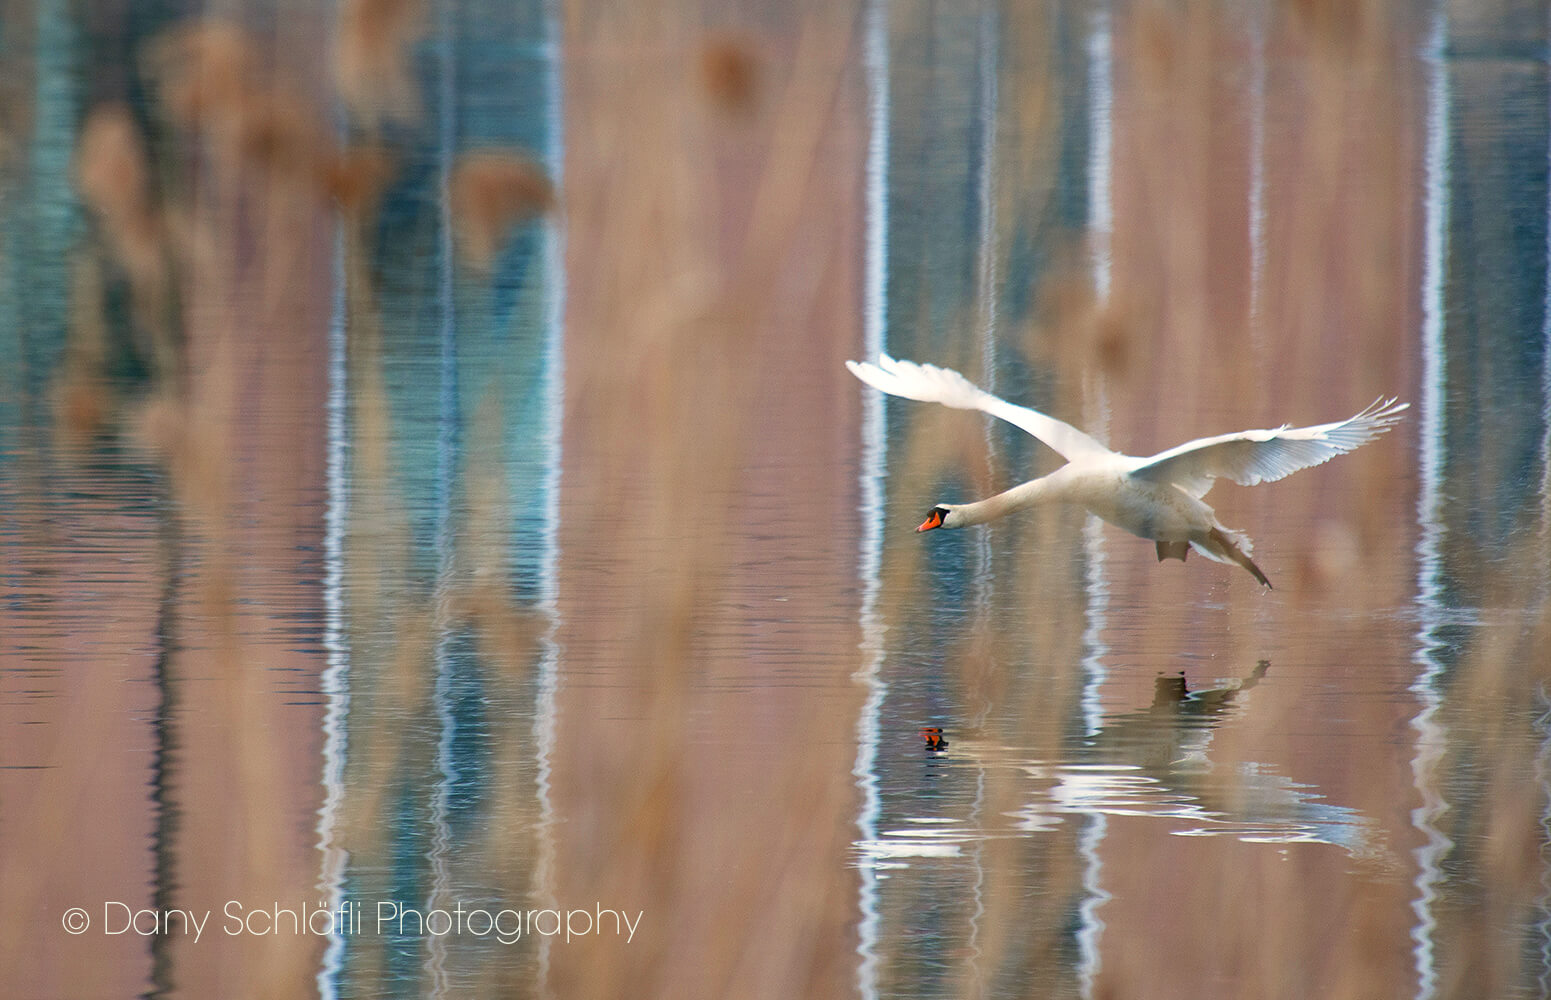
<point>1019,497</point>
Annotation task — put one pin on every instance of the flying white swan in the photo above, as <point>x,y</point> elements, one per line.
<point>1158,497</point>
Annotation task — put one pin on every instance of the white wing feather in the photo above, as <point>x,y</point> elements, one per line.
<point>1251,457</point>
<point>931,384</point>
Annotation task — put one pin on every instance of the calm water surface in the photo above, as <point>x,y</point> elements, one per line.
<point>346,570</point>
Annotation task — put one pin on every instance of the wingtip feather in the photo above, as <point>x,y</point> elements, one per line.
<point>1384,409</point>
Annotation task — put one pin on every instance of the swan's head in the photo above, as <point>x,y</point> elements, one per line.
<point>942,516</point>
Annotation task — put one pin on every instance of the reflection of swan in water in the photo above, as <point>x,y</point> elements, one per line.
<point>1172,732</point>
<point>1166,734</point>
<point>935,741</point>
<point>1153,762</point>
<point>1157,497</point>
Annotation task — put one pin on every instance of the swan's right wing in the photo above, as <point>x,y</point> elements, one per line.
<point>1251,457</point>
<point>931,384</point>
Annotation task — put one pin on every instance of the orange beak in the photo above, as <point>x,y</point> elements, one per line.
<point>933,520</point>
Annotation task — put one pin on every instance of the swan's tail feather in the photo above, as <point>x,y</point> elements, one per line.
<point>1224,546</point>
<point>1173,550</point>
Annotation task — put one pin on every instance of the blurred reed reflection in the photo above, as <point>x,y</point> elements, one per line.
<point>428,477</point>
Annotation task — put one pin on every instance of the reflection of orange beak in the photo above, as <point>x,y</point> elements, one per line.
<point>933,520</point>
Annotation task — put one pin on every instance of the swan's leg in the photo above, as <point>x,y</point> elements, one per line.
<point>1228,547</point>
<point>1173,550</point>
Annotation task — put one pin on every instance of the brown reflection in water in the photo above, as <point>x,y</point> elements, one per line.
<point>77,820</point>
<point>372,59</point>
<point>252,239</point>
<point>491,191</point>
<point>1494,774</point>
<point>221,235</point>
<point>713,293</point>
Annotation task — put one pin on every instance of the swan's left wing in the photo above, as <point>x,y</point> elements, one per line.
<point>931,384</point>
<point>1251,457</point>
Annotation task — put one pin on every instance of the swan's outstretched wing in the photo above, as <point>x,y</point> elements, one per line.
<point>1251,457</point>
<point>931,384</point>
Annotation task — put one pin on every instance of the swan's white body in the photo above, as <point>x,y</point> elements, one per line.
<point>1157,497</point>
